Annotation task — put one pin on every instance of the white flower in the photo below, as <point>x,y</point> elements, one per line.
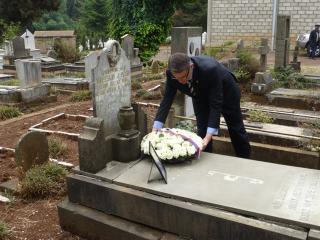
<point>191,150</point>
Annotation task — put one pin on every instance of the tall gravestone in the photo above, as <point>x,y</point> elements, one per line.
<point>263,51</point>
<point>19,50</point>
<point>282,42</point>
<point>28,72</point>
<point>185,40</point>
<point>111,85</point>
<point>90,62</point>
<point>127,43</point>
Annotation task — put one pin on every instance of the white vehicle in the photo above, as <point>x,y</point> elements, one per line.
<point>303,42</point>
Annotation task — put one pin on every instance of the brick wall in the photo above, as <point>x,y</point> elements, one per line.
<point>252,19</point>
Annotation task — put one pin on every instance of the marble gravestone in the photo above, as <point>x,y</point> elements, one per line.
<point>111,85</point>
<point>28,72</point>
<point>19,49</point>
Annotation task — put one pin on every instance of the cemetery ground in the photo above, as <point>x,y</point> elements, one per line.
<point>37,218</point>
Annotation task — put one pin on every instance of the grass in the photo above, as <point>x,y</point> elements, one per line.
<point>135,85</point>
<point>11,82</point>
<point>56,147</point>
<point>7,112</point>
<point>259,116</point>
<point>80,96</point>
<point>151,96</point>
<point>3,230</point>
<point>43,181</point>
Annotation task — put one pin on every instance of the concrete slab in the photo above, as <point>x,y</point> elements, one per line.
<point>5,77</point>
<point>275,192</point>
<point>314,235</point>
<point>192,221</point>
<point>314,93</point>
<point>93,224</point>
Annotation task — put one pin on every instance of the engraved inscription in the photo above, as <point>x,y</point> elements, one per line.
<point>232,178</point>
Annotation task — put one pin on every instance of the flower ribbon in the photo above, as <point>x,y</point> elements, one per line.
<point>198,148</point>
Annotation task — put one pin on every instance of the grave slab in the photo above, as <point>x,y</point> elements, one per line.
<point>282,193</point>
<point>93,224</point>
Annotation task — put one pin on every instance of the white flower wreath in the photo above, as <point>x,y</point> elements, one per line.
<point>172,143</point>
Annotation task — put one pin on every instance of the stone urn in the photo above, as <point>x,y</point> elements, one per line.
<point>126,118</point>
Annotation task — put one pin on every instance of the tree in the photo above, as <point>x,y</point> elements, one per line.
<point>149,21</point>
<point>73,9</point>
<point>26,11</point>
<point>93,22</point>
<point>8,31</point>
<point>55,20</point>
<point>191,13</point>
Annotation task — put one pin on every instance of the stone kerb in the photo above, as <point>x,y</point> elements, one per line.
<point>111,85</point>
<point>28,72</point>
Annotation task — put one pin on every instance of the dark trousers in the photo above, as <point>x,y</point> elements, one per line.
<point>234,121</point>
<point>313,49</point>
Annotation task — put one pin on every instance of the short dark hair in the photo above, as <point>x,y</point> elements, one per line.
<point>178,62</point>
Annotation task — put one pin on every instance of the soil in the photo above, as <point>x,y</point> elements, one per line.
<point>65,125</point>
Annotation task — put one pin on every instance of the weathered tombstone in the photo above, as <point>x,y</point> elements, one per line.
<point>29,41</point>
<point>90,62</point>
<point>155,67</point>
<point>282,42</point>
<point>19,50</point>
<point>136,60</point>
<point>28,72</point>
<point>240,44</point>
<point>32,149</point>
<point>295,64</point>
<point>127,44</point>
<point>263,51</point>
<point>233,64</point>
<point>262,84</point>
<point>112,85</point>
<point>185,40</point>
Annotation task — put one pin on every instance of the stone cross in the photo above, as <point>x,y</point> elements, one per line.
<point>263,51</point>
<point>111,85</point>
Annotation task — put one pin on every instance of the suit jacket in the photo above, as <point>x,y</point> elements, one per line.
<point>313,37</point>
<point>214,85</point>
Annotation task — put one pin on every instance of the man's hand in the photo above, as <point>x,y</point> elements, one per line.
<point>206,140</point>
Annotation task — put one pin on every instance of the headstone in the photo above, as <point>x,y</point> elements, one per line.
<point>28,72</point>
<point>262,84</point>
<point>32,149</point>
<point>29,41</point>
<point>111,85</point>
<point>263,51</point>
<point>8,48</point>
<point>90,62</point>
<point>282,42</point>
<point>186,40</point>
<point>295,64</point>
<point>127,44</point>
<point>136,59</point>
<point>155,67</point>
<point>19,50</point>
<point>2,52</point>
<point>240,44</point>
<point>233,64</point>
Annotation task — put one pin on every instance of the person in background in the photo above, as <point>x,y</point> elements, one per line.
<point>314,40</point>
<point>214,91</point>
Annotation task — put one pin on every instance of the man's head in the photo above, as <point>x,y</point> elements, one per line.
<point>179,66</point>
<point>317,26</point>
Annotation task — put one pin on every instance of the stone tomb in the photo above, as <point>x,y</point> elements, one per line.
<point>295,98</point>
<point>214,197</point>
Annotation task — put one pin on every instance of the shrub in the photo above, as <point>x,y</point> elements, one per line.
<point>187,125</point>
<point>80,96</point>
<point>9,112</point>
<point>140,92</point>
<point>259,116</point>
<point>242,75</point>
<point>288,78</point>
<point>135,85</point>
<point>248,62</point>
<point>43,181</point>
<point>65,52</point>
<point>3,230</point>
<point>219,52</point>
<point>11,82</point>
<point>151,96</point>
<point>56,147</point>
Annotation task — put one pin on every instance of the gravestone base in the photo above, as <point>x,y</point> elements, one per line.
<point>126,146</point>
<point>263,83</point>
<point>92,224</point>
<point>9,95</point>
<point>296,66</point>
<point>295,98</point>
<point>34,93</point>
<point>72,84</point>
<point>214,190</point>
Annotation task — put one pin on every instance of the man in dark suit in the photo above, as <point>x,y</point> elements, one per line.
<point>314,40</point>
<point>214,91</point>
